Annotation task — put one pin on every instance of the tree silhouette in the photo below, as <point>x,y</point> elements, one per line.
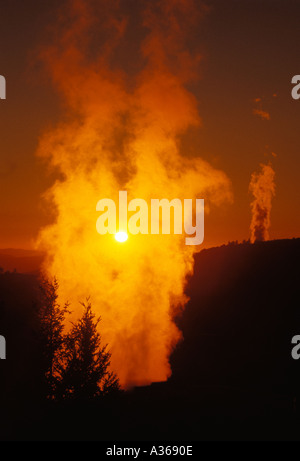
<point>51,317</point>
<point>85,368</point>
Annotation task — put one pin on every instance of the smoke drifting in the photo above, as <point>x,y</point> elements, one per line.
<point>259,111</point>
<point>121,131</point>
<point>262,186</point>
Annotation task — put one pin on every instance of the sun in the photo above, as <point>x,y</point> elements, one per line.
<point>121,237</point>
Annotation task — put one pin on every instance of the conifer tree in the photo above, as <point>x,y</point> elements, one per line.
<point>85,368</point>
<point>51,318</point>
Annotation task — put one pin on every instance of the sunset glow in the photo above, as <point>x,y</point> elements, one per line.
<point>137,110</point>
<point>150,225</point>
<point>121,237</point>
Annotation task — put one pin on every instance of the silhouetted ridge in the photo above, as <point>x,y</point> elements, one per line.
<point>242,315</point>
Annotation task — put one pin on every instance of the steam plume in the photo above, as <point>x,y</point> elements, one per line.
<point>262,186</point>
<point>121,131</point>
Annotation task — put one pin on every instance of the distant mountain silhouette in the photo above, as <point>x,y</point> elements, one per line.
<point>23,261</point>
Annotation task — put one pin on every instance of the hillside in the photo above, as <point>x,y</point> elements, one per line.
<point>233,375</point>
<point>241,317</point>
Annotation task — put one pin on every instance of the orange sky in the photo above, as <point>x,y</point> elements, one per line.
<point>250,52</point>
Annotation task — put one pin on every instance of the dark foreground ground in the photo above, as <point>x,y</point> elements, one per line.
<point>233,375</point>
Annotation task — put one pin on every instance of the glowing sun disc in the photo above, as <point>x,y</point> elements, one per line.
<point>121,237</point>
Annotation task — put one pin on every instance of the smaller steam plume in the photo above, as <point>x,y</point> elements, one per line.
<point>262,186</point>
